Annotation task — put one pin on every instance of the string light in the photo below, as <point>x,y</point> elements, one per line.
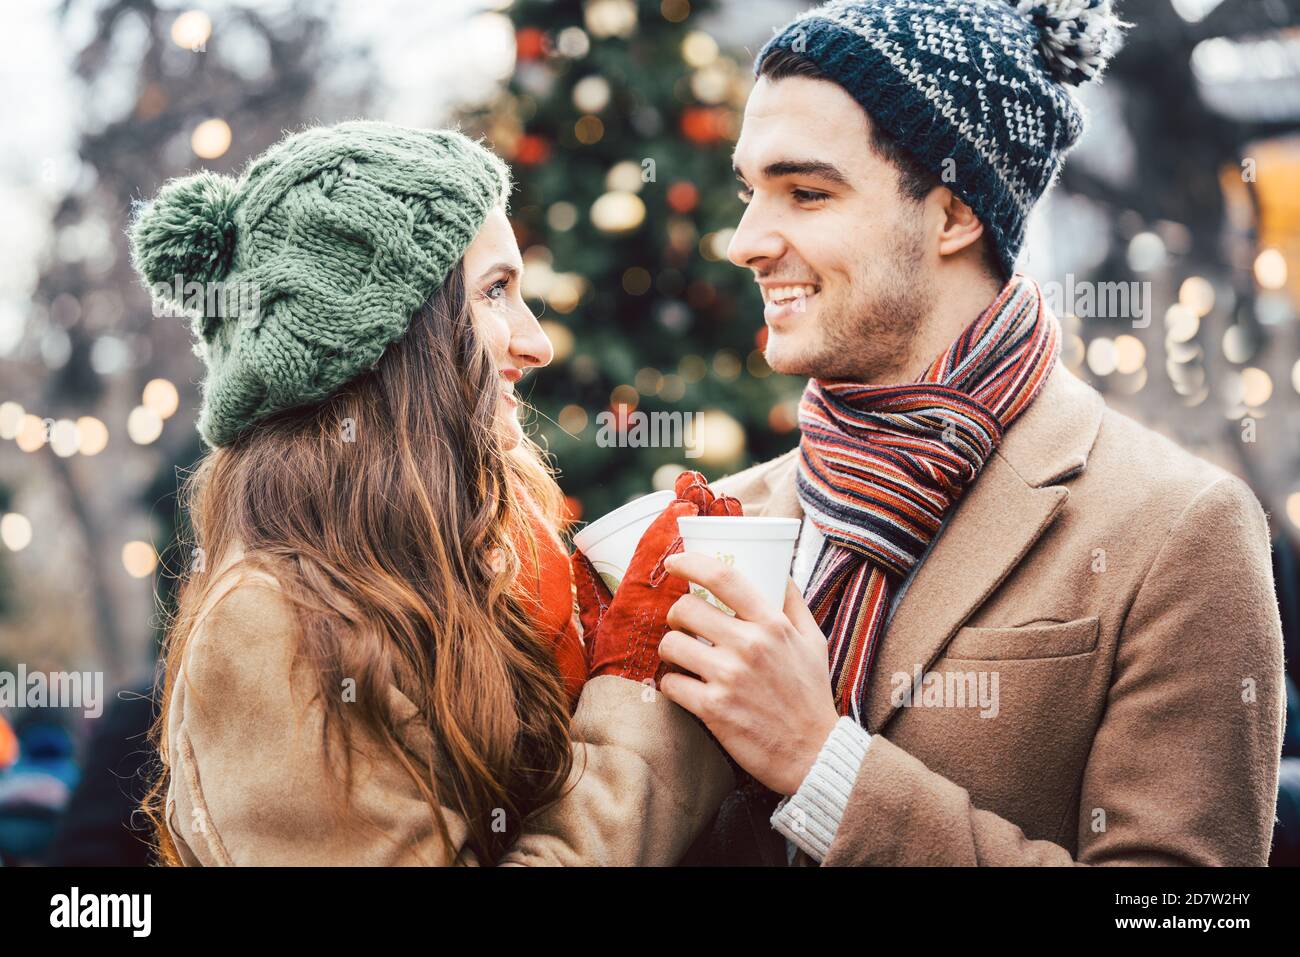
<point>648,381</point>
<point>15,531</point>
<point>211,139</point>
<point>573,43</point>
<point>64,438</point>
<point>94,435</point>
<point>1130,354</point>
<point>566,291</point>
<point>625,176</point>
<point>573,419</point>
<point>1181,324</point>
<point>1238,345</point>
<point>562,216</point>
<point>617,212</point>
<point>699,49</point>
<point>625,396</point>
<point>11,419</point>
<point>665,476</point>
<point>139,559</point>
<point>161,396</point>
<point>561,339</point>
<point>591,93</point>
<point>143,425</point>
<point>610,18</point>
<point>726,365</point>
<point>718,436</point>
<point>675,11</point>
<point>1197,294</point>
<point>1102,357</point>
<point>1270,269</point>
<point>1256,387</point>
<point>673,388</point>
<point>692,368</point>
<point>588,130</point>
<point>1146,251</point>
<point>191,30</point>
<point>31,434</point>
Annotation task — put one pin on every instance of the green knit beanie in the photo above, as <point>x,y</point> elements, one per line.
<point>297,275</point>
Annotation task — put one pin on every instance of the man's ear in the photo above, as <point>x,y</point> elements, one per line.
<point>961,227</point>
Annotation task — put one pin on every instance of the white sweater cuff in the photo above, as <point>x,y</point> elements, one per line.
<point>811,816</point>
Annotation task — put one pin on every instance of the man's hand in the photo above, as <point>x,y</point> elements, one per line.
<point>764,687</point>
<point>622,633</point>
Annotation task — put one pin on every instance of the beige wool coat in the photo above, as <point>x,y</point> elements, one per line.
<point>1121,590</point>
<point>250,784</point>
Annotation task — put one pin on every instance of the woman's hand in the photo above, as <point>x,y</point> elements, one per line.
<point>623,632</point>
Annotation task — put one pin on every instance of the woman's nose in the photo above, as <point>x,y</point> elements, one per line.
<point>529,345</point>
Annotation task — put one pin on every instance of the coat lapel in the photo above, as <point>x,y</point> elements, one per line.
<point>1013,501</point>
<point>997,522</point>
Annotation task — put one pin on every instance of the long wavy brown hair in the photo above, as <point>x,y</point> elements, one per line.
<point>393,518</point>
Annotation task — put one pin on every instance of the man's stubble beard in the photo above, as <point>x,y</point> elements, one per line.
<point>868,335</point>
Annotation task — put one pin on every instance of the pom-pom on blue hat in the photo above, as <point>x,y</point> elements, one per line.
<point>975,88</point>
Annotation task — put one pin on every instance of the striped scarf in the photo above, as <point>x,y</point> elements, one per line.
<point>880,467</point>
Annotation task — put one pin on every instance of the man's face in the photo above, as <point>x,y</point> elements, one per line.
<point>835,247</point>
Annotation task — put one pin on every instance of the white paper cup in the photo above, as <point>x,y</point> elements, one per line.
<point>760,549</point>
<point>610,541</point>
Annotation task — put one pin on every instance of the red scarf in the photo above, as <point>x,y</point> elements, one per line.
<point>880,467</point>
<point>546,594</point>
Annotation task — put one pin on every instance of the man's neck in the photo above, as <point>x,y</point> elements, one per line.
<point>959,300</point>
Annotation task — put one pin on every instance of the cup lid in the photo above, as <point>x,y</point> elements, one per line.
<point>740,527</point>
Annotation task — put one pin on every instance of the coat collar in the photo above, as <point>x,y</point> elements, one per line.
<point>1013,501</point>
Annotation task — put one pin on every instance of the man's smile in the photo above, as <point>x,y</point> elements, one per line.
<point>782,299</point>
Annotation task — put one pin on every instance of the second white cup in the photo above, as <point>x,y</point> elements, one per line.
<point>760,549</point>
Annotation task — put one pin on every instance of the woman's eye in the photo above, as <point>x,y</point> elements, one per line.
<point>808,196</point>
<point>497,289</point>
<point>745,194</point>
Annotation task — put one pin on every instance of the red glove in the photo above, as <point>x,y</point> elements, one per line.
<point>622,633</point>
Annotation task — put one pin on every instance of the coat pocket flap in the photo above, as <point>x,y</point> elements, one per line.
<point>1047,640</point>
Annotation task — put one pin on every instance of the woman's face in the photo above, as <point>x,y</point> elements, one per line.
<point>493,269</point>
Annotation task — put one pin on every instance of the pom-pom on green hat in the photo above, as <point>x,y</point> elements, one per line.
<point>323,248</point>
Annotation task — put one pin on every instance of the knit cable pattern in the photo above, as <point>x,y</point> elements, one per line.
<point>336,235</point>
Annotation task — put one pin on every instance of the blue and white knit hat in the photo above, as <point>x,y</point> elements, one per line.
<point>971,87</point>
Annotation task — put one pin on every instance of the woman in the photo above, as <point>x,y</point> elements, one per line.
<point>374,658</point>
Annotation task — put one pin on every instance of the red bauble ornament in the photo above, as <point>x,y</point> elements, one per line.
<point>682,196</point>
<point>531,150</point>
<point>704,125</point>
<point>530,44</point>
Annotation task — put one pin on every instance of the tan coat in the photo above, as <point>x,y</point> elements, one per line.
<point>250,783</point>
<point>1122,592</point>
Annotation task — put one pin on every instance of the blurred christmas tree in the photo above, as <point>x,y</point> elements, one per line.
<point>619,123</point>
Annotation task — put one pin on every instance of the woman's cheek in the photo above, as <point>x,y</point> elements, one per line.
<point>493,330</point>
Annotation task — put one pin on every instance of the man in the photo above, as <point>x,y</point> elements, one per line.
<point>1052,634</point>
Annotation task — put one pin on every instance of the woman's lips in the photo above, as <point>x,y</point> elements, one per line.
<point>511,376</point>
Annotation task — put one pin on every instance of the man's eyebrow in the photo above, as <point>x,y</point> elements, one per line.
<point>819,168</point>
<point>510,269</point>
